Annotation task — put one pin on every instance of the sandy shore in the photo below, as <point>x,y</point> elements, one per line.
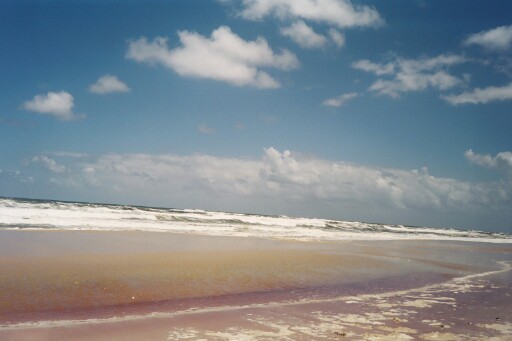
<point>142,285</point>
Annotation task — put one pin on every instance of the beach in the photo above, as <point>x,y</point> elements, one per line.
<point>256,170</point>
<point>132,285</point>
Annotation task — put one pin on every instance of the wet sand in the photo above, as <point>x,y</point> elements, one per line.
<point>158,286</point>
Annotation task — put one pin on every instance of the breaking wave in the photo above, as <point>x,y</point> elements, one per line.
<point>58,215</point>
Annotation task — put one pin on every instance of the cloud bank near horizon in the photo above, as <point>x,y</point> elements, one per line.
<point>279,177</point>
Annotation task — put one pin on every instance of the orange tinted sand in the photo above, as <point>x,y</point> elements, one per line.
<point>77,275</point>
<point>113,274</point>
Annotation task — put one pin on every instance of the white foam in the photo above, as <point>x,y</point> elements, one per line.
<point>17,214</point>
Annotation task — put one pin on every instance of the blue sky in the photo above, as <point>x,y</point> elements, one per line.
<point>384,111</point>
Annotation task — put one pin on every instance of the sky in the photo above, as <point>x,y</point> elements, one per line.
<point>380,111</point>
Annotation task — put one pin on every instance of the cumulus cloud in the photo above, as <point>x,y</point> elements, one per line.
<point>169,175</point>
<point>405,75</point>
<point>224,56</point>
<point>56,104</point>
<point>499,38</point>
<point>340,13</point>
<point>49,163</point>
<point>340,100</point>
<point>482,96</point>
<point>108,84</point>
<point>502,161</point>
<point>375,187</point>
<point>282,176</point>
<point>304,35</point>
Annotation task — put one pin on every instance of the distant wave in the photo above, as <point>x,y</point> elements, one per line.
<point>58,215</point>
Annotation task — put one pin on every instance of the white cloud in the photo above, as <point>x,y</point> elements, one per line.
<point>49,163</point>
<point>339,13</point>
<point>378,69</point>
<point>224,56</point>
<point>56,104</point>
<point>412,74</point>
<point>108,84</point>
<point>166,174</point>
<point>482,96</point>
<point>340,100</point>
<point>499,38</point>
<point>337,37</point>
<point>377,187</point>
<point>304,35</point>
<point>502,161</point>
